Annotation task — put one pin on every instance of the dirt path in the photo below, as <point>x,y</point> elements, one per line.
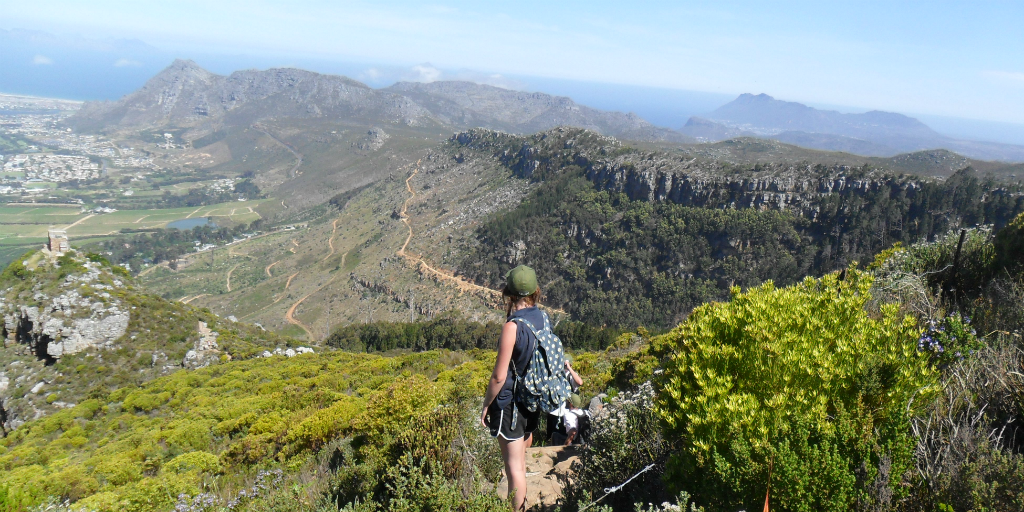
<point>290,314</point>
<point>544,466</point>
<point>267,270</point>
<point>330,241</point>
<point>418,262</point>
<point>79,221</point>
<point>298,156</point>
<point>289,281</point>
<point>152,268</point>
<point>441,274</point>
<point>194,212</point>
<point>194,298</point>
<point>229,275</point>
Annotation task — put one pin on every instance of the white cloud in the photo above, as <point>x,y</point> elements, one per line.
<point>41,60</point>
<point>1006,76</point>
<point>424,73</point>
<point>121,63</point>
<point>372,73</point>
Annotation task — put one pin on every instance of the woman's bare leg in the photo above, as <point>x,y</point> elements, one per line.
<point>514,453</point>
<point>529,441</point>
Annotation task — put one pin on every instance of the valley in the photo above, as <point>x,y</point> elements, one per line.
<point>282,276</point>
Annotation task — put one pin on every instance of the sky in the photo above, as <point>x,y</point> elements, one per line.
<point>938,58</point>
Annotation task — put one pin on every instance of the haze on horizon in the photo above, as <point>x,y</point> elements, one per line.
<point>938,58</point>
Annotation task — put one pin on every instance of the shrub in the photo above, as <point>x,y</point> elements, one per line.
<point>1009,245</point>
<point>325,424</point>
<point>16,271</point>
<point>420,485</point>
<point>801,380</point>
<point>624,440</point>
<point>950,339</point>
<point>202,462</point>
<point>969,438</point>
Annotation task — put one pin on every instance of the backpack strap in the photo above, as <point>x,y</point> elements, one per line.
<point>523,321</point>
<point>530,349</point>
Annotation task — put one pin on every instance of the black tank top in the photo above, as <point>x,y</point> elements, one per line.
<point>521,353</point>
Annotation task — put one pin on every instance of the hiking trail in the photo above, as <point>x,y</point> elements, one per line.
<point>441,274</point>
<point>330,241</point>
<point>418,262</point>
<point>544,466</point>
<point>290,314</point>
<point>267,270</point>
<point>229,275</point>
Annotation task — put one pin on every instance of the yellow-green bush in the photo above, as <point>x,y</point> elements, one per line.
<point>140,447</point>
<point>800,378</point>
<point>193,461</point>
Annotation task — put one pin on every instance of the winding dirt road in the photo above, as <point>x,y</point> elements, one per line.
<point>298,156</point>
<point>229,275</point>
<point>418,262</point>
<point>330,241</point>
<point>289,282</point>
<point>441,274</point>
<point>267,270</point>
<point>290,314</point>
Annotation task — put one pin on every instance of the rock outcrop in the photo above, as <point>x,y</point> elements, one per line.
<point>81,315</point>
<point>205,351</point>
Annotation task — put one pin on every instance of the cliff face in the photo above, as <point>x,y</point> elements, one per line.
<point>799,188</point>
<point>693,229</point>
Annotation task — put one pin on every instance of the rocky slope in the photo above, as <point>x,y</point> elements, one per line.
<point>641,237</point>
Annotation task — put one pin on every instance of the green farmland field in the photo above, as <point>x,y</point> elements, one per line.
<point>33,222</point>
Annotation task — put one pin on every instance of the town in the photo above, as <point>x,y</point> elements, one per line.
<point>52,168</point>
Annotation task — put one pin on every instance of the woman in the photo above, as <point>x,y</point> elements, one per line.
<point>511,423</point>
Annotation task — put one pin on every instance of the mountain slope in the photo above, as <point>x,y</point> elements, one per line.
<point>764,113</point>
<point>630,237</point>
<point>187,95</point>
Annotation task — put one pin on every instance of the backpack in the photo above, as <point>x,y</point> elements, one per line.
<point>544,386</point>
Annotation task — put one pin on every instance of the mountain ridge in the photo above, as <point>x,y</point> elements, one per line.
<point>186,95</point>
<point>873,133</point>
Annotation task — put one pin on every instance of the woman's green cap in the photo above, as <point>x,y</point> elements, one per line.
<point>521,281</point>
